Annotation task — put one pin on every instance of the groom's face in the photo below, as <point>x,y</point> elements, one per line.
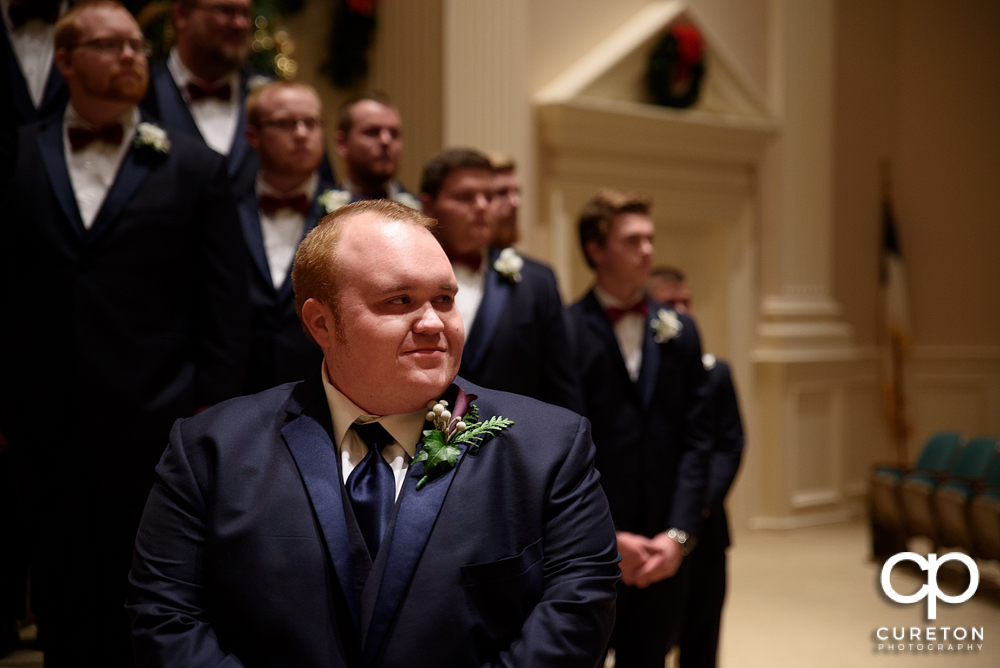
<point>400,337</point>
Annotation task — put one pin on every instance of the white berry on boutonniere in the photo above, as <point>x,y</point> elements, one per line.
<point>440,445</point>
<point>256,81</point>
<point>509,265</point>
<point>666,325</point>
<point>708,361</point>
<point>331,200</point>
<point>152,136</point>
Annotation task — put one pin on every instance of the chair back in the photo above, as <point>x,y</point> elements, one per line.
<point>939,452</point>
<point>974,460</point>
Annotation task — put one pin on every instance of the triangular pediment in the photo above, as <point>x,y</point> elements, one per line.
<point>612,75</point>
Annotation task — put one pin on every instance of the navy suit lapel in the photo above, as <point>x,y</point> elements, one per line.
<point>415,519</point>
<point>131,174</point>
<point>252,234</point>
<point>309,440</point>
<point>648,371</point>
<point>174,112</point>
<point>496,291</point>
<point>53,85</point>
<point>50,143</point>
<point>239,148</point>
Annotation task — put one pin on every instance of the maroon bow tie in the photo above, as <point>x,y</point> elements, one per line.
<point>47,12</point>
<point>615,314</point>
<point>80,137</point>
<point>199,92</point>
<point>271,204</point>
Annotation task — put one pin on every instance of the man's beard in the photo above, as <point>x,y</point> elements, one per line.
<point>128,89</point>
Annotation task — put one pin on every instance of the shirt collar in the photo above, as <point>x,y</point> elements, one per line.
<point>308,187</point>
<point>607,300</point>
<point>183,76</point>
<point>5,7</point>
<point>405,428</point>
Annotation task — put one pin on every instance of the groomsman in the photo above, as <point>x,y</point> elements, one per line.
<point>30,85</point>
<point>284,125</point>
<point>123,293</point>
<point>506,200</point>
<point>515,331</point>
<point>641,372</point>
<point>706,576</point>
<point>369,141</point>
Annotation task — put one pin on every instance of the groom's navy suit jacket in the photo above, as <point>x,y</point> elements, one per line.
<point>125,326</point>
<point>280,351</point>
<point>517,342</point>
<point>244,554</point>
<point>653,435</point>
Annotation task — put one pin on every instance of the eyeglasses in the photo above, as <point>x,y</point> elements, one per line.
<point>229,11</point>
<point>292,124</point>
<point>113,46</point>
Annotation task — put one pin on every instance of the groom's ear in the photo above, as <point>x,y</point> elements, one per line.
<point>318,320</point>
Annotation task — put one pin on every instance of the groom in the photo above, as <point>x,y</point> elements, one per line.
<point>307,526</point>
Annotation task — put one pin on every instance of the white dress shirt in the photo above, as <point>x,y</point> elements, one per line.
<point>471,285</point>
<point>630,331</point>
<point>406,429</point>
<point>216,120</point>
<point>92,169</point>
<point>283,230</point>
<point>32,44</point>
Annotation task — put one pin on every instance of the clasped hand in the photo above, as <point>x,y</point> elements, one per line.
<point>646,561</point>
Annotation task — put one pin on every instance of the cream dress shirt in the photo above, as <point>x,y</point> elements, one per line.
<point>406,429</point>
<point>216,120</point>
<point>629,331</point>
<point>33,46</point>
<point>283,230</point>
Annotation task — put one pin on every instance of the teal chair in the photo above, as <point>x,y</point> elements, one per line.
<point>984,517</point>
<point>952,499</point>
<point>889,525</point>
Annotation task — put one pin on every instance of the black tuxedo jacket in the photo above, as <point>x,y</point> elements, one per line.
<point>517,342</point>
<point>652,435</point>
<point>16,106</point>
<point>128,325</point>
<point>244,553</point>
<point>727,449</point>
<point>280,351</point>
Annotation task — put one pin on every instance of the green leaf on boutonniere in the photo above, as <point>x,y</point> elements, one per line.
<point>440,452</point>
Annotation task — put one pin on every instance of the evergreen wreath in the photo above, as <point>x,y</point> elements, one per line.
<point>677,66</point>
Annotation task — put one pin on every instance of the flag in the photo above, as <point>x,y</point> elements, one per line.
<point>896,323</point>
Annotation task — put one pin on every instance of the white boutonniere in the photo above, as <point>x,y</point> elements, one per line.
<point>407,199</point>
<point>666,325</point>
<point>334,199</point>
<point>708,361</point>
<point>509,265</point>
<point>440,451</point>
<point>256,81</point>
<point>152,136</point>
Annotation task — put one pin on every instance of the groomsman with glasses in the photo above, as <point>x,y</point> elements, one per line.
<point>123,293</point>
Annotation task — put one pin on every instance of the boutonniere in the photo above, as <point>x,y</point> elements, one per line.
<point>148,135</point>
<point>440,445</point>
<point>331,200</point>
<point>509,265</point>
<point>407,199</point>
<point>708,361</point>
<point>256,81</point>
<point>666,325</point>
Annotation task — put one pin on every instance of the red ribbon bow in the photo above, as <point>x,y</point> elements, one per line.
<point>271,204</point>
<point>615,314</point>
<point>199,92</point>
<point>80,137</point>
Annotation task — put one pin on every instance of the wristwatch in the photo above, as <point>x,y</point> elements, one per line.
<point>686,542</point>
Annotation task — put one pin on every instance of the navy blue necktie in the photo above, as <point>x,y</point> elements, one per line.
<point>372,486</point>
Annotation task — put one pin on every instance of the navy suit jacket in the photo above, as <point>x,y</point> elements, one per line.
<point>652,435</point>
<point>517,342</point>
<point>130,324</point>
<point>727,449</point>
<point>280,351</point>
<point>243,557</point>
<point>16,105</point>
